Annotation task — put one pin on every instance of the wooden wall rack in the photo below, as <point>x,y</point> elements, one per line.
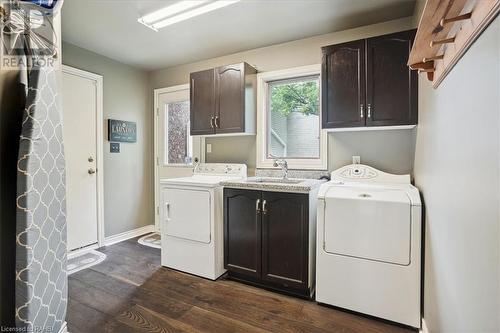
<point>446,30</point>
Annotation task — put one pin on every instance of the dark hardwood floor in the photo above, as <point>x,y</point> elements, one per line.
<point>131,292</point>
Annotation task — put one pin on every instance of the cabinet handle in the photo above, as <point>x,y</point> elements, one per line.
<point>361,111</point>
<point>257,206</point>
<point>192,93</point>
<point>217,122</point>
<point>167,211</point>
<point>264,207</point>
<point>212,122</point>
<point>369,110</point>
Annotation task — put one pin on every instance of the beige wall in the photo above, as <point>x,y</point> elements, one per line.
<point>390,151</point>
<point>457,169</point>
<point>128,190</point>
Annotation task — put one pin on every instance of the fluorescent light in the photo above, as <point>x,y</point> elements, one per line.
<point>181,11</point>
<point>170,11</point>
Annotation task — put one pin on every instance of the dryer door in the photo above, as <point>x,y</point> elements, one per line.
<point>368,223</point>
<point>187,214</point>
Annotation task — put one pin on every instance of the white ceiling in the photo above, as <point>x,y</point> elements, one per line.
<point>110,27</point>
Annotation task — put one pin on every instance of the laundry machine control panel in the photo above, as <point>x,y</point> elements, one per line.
<point>367,174</point>
<point>221,169</point>
<point>358,172</point>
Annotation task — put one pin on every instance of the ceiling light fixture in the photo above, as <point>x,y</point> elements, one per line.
<point>181,11</point>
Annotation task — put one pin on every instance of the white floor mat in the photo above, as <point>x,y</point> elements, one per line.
<point>151,240</point>
<point>84,260</point>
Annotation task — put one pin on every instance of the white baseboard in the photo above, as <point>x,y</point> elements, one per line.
<point>129,234</point>
<point>76,253</point>
<point>64,328</point>
<point>424,328</point>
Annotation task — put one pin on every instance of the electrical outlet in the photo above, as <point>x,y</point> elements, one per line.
<point>209,148</point>
<point>356,160</point>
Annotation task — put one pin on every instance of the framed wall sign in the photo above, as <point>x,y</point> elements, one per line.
<point>122,131</point>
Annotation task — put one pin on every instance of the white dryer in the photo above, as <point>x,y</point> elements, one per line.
<point>369,244</point>
<point>191,219</point>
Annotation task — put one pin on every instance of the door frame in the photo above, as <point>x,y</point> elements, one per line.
<point>156,160</point>
<point>98,82</point>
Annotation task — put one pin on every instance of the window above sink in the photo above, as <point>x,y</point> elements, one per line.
<point>289,119</point>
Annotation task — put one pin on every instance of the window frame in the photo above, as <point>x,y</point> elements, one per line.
<point>263,123</point>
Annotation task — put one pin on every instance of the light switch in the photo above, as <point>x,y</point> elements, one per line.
<point>209,148</point>
<point>114,147</point>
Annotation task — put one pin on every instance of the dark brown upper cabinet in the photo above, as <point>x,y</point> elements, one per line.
<point>343,76</point>
<point>203,101</point>
<point>391,87</point>
<point>231,107</point>
<point>367,83</point>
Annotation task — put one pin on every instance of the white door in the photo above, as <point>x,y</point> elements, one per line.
<point>175,149</point>
<point>181,220</point>
<point>80,143</point>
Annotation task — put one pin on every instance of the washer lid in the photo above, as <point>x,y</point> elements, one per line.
<point>368,193</point>
<point>370,223</point>
<point>197,180</point>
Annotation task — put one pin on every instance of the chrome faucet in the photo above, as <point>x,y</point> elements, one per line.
<point>284,167</point>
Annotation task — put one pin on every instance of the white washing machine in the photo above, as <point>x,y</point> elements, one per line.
<point>191,219</point>
<point>369,244</point>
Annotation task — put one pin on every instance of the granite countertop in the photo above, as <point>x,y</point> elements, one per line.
<point>296,185</point>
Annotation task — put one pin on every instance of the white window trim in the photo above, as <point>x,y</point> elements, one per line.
<point>263,80</point>
<point>156,111</point>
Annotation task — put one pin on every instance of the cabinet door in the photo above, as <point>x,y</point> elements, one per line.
<point>230,98</point>
<point>285,218</point>
<point>242,232</point>
<point>202,102</point>
<point>343,85</point>
<point>391,86</point>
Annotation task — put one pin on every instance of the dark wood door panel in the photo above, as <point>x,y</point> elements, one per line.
<point>242,232</point>
<point>391,86</point>
<point>230,101</point>
<point>285,238</point>
<point>343,85</point>
<point>202,88</point>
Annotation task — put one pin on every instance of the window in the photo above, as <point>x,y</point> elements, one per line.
<point>179,143</point>
<point>293,118</point>
<point>174,147</point>
<point>289,115</point>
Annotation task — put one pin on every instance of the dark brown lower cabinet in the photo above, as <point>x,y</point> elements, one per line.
<point>267,239</point>
<point>242,232</point>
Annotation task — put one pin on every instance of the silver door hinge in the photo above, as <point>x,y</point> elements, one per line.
<point>158,210</point>
<point>157,111</point>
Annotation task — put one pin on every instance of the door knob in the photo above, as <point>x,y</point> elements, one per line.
<point>91,171</point>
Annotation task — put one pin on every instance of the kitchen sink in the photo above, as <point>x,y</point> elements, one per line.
<point>275,180</point>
